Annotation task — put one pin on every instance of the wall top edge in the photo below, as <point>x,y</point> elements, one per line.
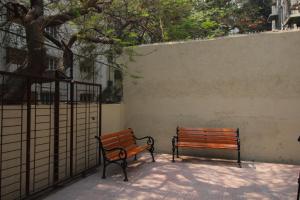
<point>268,33</point>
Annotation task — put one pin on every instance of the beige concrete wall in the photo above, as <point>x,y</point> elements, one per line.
<point>112,117</point>
<point>250,82</point>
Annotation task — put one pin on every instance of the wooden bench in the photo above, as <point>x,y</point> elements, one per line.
<point>207,138</point>
<point>117,147</point>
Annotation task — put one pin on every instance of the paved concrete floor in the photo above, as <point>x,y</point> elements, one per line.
<point>188,178</point>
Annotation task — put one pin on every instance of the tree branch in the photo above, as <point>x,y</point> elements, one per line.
<point>36,10</point>
<point>52,39</point>
<point>16,12</point>
<point>102,40</point>
<point>72,40</point>
<point>59,19</point>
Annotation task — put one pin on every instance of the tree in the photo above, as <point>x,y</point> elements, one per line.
<point>206,19</point>
<point>199,19</point>
<point>253,16</point>
<point>106,22</point>
<point>114,24</point>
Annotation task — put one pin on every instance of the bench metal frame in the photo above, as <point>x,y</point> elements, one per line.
<point>122,160</point>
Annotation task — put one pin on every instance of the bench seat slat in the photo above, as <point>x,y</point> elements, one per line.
<point>207,141</point>
<point>208,129</point>
<point>130,152</point>
<point>126,144</point>
<point>207,136</point>
<point>125,134</point>
<point>112,154</point>
<point>137,149</point>
<point>110,141</point>
<point>111,146</point>
<point>225,134</point>
<point>108,136</point>
<point>126,137</point>
<point>206,145</point>
<point>116,134</point>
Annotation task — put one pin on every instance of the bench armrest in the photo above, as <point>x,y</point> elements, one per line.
<point>122,152</point>
<point>150,140</point>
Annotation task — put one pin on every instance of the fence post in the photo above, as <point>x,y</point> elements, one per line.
<point>56,131</point>
<point>28,137</point>
<point>100,120</point>
<point>71,127</point>
<point>1,133</point>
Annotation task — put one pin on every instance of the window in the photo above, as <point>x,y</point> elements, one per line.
<point>52,63</point>
<point>53,31</point>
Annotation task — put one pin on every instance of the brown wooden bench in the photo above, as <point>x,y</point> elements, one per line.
<point>207,138</point>
<point>117,147</point>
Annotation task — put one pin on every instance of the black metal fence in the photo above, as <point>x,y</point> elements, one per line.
<point>46,138</point>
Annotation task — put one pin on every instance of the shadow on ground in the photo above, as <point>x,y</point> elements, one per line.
<point>187,178</point>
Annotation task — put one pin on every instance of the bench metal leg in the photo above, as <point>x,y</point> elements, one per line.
<point>173,160</point>
<point>104,169</point>
<point>239,150</point>
<point>173,150</point>
<point>177,152</point>
<point>135,157</point>
<point>124,166</point>
<point>239,157</point>
<point>151,150</point>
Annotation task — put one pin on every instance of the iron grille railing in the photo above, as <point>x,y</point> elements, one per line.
<point>46,140</point>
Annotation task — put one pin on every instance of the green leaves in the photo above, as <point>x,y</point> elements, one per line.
<point>134,22</point>
<point>202,20</point>
<point>253,15</point>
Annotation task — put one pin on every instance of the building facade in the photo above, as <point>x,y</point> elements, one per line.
<point>285,14</point>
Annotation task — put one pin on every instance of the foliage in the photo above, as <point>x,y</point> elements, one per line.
<point>194,19</point>
<point>253,15</point>
<point>87,61</point>
<point>105,27</point>
<point>119,23</point>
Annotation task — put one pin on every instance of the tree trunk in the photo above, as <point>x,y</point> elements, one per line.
<point>36,65</point>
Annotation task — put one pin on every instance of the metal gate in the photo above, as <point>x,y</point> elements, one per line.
<point>47,138</point>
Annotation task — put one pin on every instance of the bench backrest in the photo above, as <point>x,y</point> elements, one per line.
<point>208,135</point>
<point>124,139</point>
